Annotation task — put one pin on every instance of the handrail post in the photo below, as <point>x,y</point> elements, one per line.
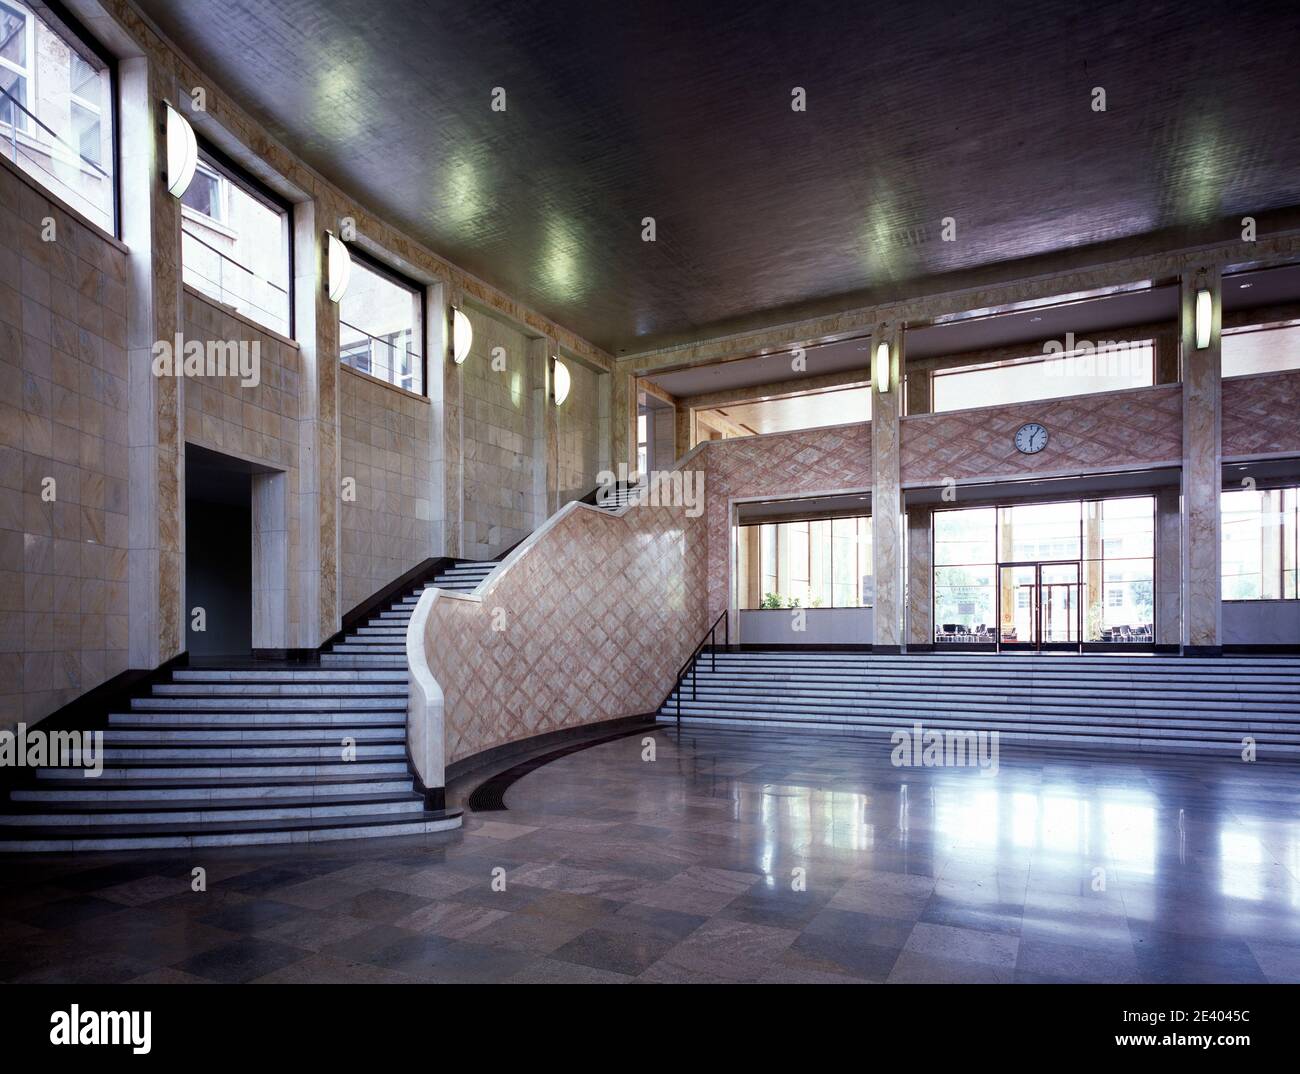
<point>713,648</point>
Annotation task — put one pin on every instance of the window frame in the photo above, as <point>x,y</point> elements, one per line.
<point>78,38</point>
<point>230,170</point>
<point>420,332</point>
<point>27,71</point>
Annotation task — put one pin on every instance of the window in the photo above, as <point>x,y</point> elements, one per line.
<point>812,410</point>
<point>1261,543</point>
<point>1107,367</point>
<point>642,448</point>
<point>1112,541</point>
<point>56,110</point>
<point>822,563</point>
<point>235,242</point>
<point>380,324</point>
<point>1261,349</point>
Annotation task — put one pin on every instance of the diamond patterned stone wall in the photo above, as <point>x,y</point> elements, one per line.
<point>591,623</point>
<point>807,463</point>
<point>1090,433</point>
<point>1261,414</point>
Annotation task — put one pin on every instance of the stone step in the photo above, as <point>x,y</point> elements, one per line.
<point>218,833</point>
<point>123,810</point>
<point>244,768</point>
<point>107,790</point>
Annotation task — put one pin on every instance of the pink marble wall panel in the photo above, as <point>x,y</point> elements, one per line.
<point>806,463</point>
<point>590,623</point>
<point>1087,433</point>
<point>1261,414</point>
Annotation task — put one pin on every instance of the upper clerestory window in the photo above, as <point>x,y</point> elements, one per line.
<point>57,110</point>
<point>1105,367</point>
<point>235,242</point>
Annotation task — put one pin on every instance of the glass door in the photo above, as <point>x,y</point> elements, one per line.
<point>1039,606</point>
<point>1059,606</point>
<point>1018,606</point>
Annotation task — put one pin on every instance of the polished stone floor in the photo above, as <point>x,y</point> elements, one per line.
<point>731,856</point>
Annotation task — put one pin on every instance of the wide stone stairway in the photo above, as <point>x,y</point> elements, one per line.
<point>1139,702</point>
<point>249,753</point>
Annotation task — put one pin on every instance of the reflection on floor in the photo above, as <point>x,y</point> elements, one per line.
<point>732,856</point>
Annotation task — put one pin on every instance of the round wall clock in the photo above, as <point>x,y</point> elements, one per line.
<point>1031,438</point>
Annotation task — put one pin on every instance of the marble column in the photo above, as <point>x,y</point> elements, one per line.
<point>623,418</point>
<point>151,227</point>
<point>1202,470</point>
<point>917,398</point>
<point>545,431</point>
<point>1169,567</point>
<point>886,506</point>
<point>683,420</point>
<point>437,342</point>
<point>920,577</point>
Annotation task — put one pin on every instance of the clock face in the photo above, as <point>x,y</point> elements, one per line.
<point>1031,438</point>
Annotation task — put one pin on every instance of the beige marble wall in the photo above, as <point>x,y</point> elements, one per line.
<point>384,446</point>
<point>496,439</point>
<point>64,598</point>
<point>578,428</point>
<point>590,623</point>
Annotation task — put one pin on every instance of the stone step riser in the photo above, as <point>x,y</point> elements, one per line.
<point>260,813</point>
<point>396,827</point>
<point>140,790</point>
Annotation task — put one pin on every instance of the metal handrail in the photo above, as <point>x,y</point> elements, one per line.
<point>710,639</point>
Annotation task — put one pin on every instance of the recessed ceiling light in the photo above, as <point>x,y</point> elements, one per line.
<point>1244,286</point>
<point>1034,320</point>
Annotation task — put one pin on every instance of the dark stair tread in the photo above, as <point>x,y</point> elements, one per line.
<point>208,783</point>
<point>187,805</point>
<point>14,833</point>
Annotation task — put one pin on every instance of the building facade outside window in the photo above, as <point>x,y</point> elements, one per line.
<point>1261,544</point>
<point>235,243</point>
<point>821,563</point>
<point>56,111</point>
<point>381,322</point>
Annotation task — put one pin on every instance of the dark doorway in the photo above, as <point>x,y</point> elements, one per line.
<point>218,553</point>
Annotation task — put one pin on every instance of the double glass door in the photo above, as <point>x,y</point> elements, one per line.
<point>1040,606</point>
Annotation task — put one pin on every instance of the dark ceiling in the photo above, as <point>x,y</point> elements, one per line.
<point>617,111</point>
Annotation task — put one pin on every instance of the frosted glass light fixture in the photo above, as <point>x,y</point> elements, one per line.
<point>1204,315</point>
<point>462,336</point>
<point>339,263</point>
<point>562,382</point>
<point>882,367</point>
<point>182,152</point>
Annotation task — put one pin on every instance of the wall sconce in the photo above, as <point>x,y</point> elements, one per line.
<point>182,152</point>
<point>562,383</point>
<point>462,336</point>
<point>1204,316</point>
<point>339,262</point>
<point>882,367</point>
